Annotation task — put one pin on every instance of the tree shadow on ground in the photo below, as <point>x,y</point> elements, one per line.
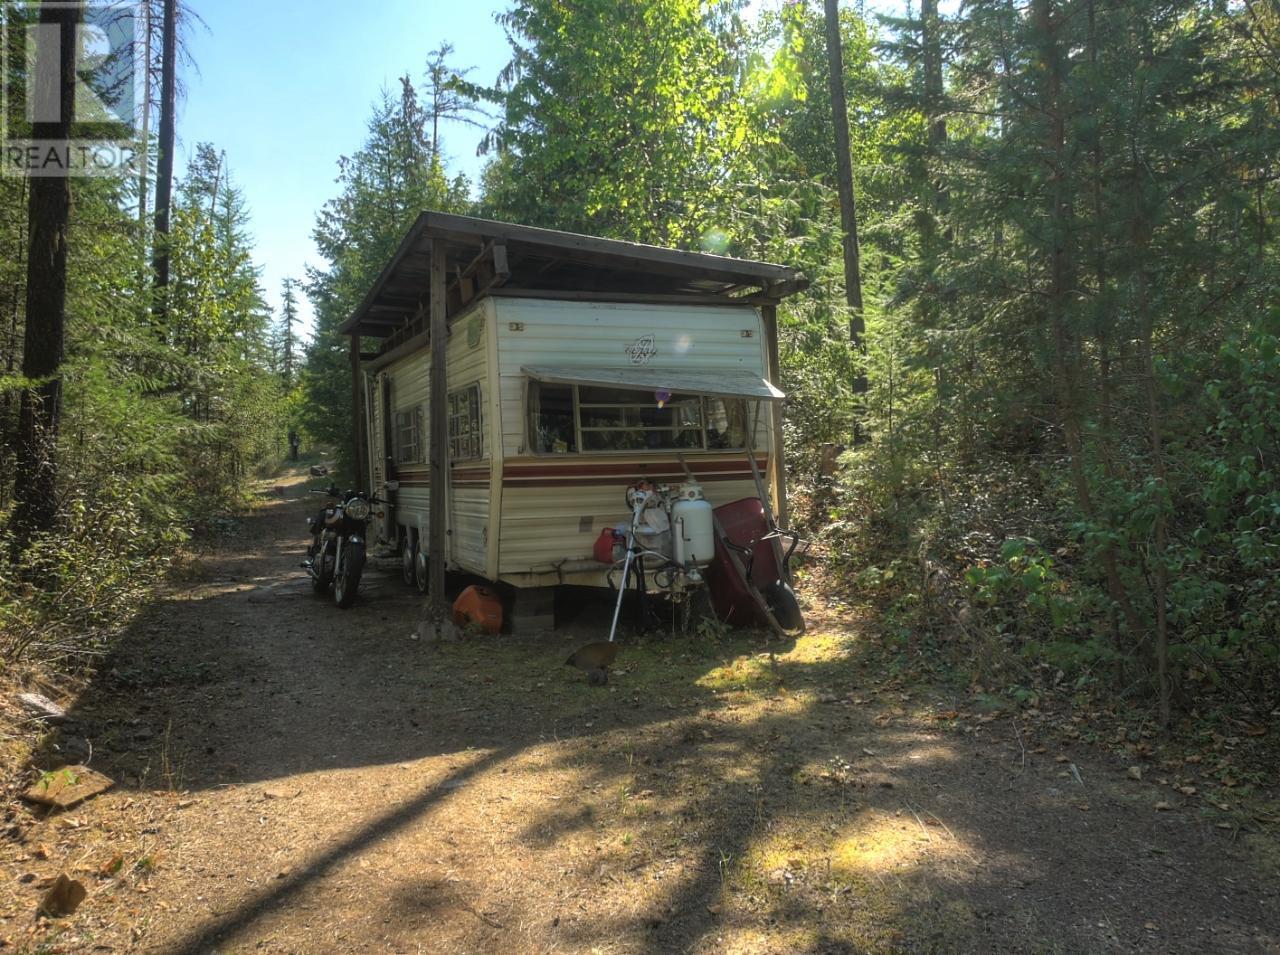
<point>710,798</point>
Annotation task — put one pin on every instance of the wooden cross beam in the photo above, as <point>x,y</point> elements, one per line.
<point>487,270</point>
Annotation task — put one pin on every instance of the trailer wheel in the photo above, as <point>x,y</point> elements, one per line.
<point>408,554</point>
<point>421,570</point>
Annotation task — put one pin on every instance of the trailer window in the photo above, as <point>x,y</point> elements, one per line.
<point>612,419</point>
<point>465,437</point>
<point>551,421</point>
<point>408,436</point>
<point>568,418</point>
<point>726,423</point>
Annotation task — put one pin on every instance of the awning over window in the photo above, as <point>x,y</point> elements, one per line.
<point>722,382</point>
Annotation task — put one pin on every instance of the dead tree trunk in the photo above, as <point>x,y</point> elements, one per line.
<point>144,167</point>
<point>931,42</point>
<point>48,213</point>
<point>164,165</point>
<point>844,181</point>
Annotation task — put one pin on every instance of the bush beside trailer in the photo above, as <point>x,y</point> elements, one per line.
<point>573,367</point>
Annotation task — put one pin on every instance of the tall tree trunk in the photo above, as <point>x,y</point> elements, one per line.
<point>1061,286</point>
<point>8,400</point>
<point>48,213</point>
<point>1104,332</point>
<point>844,181</point>
<point>164,165</point>
<point>931,42</point>
<point>1160,583</point>
<point>1141,251</point>
<point>144,168</point>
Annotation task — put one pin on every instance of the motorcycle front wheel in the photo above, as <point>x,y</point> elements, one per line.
<point>346,579</point>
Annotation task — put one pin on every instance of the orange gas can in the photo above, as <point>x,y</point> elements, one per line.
<point>478,605</point>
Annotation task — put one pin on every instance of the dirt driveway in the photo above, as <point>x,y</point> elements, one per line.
<point>293,778</point>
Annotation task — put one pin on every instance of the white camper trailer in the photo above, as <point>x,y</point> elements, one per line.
<point>572,367</point>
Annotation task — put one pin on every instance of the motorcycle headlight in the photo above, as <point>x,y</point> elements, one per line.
<point>357,509</point>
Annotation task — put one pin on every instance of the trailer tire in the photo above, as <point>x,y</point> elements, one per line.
<point>421,570</point>
<point>408,558</point>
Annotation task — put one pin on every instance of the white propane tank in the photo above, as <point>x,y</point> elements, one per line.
<point>694,527</point>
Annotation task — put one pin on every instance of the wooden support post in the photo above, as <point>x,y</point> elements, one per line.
<point>769,313</point>
<point>439,415</point>
<point>362,476</point>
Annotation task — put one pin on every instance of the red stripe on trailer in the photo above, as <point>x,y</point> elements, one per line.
<point>628,469</point>
<point>608,481</point>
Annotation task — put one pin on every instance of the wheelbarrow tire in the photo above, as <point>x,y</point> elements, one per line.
<point>785,607</point>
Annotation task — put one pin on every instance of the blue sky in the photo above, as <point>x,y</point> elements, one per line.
<point>285,87</point>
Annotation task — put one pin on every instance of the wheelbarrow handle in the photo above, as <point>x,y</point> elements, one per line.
<point>747,552</point>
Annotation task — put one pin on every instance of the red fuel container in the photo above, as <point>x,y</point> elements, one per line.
<point>478,605</point>
<point>603,550</point>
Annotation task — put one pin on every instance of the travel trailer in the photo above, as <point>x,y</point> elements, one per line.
<point>511,383</point>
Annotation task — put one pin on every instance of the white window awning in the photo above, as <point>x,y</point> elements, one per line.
<point>720,382</point>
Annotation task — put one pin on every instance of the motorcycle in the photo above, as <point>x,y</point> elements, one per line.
<point>337,552</point>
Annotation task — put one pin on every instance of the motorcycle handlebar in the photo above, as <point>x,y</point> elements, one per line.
<point>334,492</point>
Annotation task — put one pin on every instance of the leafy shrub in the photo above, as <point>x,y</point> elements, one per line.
<point>78,585</point>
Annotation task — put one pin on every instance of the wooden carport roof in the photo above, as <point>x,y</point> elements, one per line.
<point>483,256</point>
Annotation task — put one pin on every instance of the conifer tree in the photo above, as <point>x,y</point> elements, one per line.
<point>288,332</point>
<point>384,185</point>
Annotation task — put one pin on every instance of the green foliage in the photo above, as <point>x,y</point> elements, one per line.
<point>161,426</point>
<point>683,124</point>
<point>394,176</point>
<point>1226,598</point>
<point>1023,585</point>
<point>77,585</point>
<point>616,120</point>
<point>219,341</point>
<point>1092,201</point>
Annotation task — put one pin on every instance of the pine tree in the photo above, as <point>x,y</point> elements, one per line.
<point>288,333</point>
<point>384,185</point>
<point>449,97</point>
